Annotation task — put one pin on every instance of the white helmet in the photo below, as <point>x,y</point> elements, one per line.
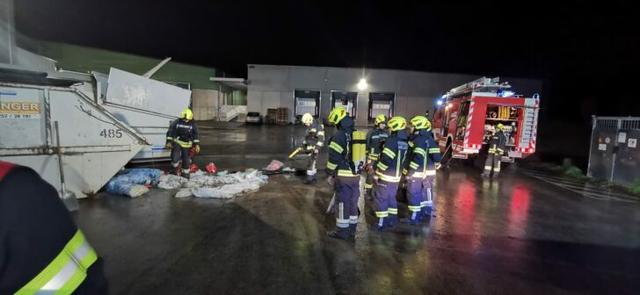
<point>307,119</point>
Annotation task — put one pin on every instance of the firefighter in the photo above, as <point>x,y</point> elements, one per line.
<point>422,158</point>
<point>497,145</point>
<point>41,249</point>
<point>433,164</point>
<point>342,175</point>
<point>313,142</point>
<point>181,137</point>
<point>389,172</point>
<point>375,140</point>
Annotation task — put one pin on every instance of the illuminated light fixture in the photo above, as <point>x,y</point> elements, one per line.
<point>439,102</point>
<point>362,85</point>
<point>507,93</point>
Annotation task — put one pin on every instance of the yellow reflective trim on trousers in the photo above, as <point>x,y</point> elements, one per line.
<point>184,144</point>
<point>368,185</point>
<point>434,150</point>
<point>393,211</point>
<point>420,151</point>
<point>336,147</point>
<point>415,208</point>
<point>389,153</point>
<point>414,165</point>
<point>388,178</point>
<point>382,166</point>
<point>381,214</point>
<point>346,173</point>
<point>331,166</point>
<point>67,270</point>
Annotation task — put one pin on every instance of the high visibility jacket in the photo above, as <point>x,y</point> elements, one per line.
<point>375,140</point>
<point>314,139</point>
<point>423,154</point>
<point>497,143</point>
<point>394,151</point>
<point>41,249</point>
<point>184,133</point>
<point>340,161</point>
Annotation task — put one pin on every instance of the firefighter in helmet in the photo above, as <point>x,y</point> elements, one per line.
<point>313,142</point>
<point>375,140</point>
<point>422,162</point>
<point>389,172</point>
<point>181,137</point>
<point>342,175</point>
<point>497,145</point>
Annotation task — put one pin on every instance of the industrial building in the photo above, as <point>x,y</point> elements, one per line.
<point>364,92</point>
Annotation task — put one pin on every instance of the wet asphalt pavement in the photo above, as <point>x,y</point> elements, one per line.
<point>515,235</point>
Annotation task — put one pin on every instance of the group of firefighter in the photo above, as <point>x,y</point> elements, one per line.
<point>397,152</point>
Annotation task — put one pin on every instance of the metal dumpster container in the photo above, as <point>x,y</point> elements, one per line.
<point>94,143</point>
<point>146,105</point>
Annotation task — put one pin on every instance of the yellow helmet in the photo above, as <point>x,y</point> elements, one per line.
<point>397,123</point>
<point>186,114</point>
<point>380,119</point>
<point>307,119</point>
<point>336,115</point>
<point>499,126</point>
<point>421,122</point>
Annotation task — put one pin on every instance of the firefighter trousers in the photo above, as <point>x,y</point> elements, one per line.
<point>178,154</point>
<point>428,204</point>
<point>492,164</point>
<point>384,194</point>
<point>415,197</point>
<point>311,166</point>
<point>347,194</point>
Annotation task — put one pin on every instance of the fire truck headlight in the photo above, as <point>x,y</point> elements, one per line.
<point>363,85</point>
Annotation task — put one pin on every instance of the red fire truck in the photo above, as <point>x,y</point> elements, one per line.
<point>466,115</point>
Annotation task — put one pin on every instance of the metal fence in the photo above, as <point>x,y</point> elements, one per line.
<point>614,154</point>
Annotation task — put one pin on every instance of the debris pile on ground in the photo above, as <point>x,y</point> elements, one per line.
<point>133,182</point>
<point>221,186</point>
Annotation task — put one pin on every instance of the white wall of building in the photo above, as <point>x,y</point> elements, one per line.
<point>273,86</point>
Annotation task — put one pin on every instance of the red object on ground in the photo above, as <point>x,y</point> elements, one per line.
<point>193,168</point>
<point>211,168</point>
<point>192,152</point>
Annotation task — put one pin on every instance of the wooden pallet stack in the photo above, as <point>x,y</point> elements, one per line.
<point>272,115</point>
<point>282,116</point>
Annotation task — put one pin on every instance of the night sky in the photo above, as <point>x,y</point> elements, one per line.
<point>587,54</point>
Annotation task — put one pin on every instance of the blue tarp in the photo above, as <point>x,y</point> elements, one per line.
<point>122,183</point>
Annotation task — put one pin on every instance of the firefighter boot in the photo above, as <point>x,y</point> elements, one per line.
<point>352,230</point>
<point>392,220</point>
<point>340,233</point>
<point>310,179</point>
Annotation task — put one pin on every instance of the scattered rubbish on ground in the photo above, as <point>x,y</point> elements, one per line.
<point>202,184</point>
<point>211,168</point>
<point>222,185</point>
<point>277,167</point>
<point>133,182</point>
<point>274,166</point>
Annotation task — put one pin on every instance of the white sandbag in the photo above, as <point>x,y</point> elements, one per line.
<point>137,190</point>
<point>184,193</point>
<point>170,181</point>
